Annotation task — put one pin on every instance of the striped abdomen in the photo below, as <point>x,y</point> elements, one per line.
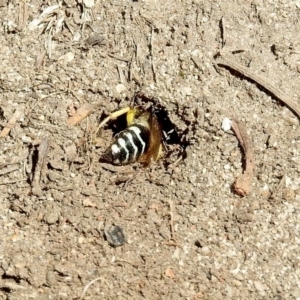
<point>129,145</point>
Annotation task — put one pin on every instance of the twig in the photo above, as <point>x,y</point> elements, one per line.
<point>225,60</point>
<point>118,57</point>
<point>23,15</point>
<point>9,169</point>
<point>12,286</point>
<point>151,54</point>
<point>11,182</point>
<point>223,32</point>
<point>117,169</point>
<point>87,287</point>
<point>11,123</point>
<point>42,152</point>
<point>172,220</point>
<point>243,182</point>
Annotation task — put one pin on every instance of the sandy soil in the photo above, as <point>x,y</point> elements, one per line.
<point>188,236</point>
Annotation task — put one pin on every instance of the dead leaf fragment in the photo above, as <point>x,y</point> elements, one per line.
<point>80,114</point>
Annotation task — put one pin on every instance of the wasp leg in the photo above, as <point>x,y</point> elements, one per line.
<point>113,116</point>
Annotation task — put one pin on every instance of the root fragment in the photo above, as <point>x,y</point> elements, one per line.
<point>243,182</point>
<point>230,62</point>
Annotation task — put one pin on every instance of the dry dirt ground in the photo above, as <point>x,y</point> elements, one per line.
<point>188,236</point>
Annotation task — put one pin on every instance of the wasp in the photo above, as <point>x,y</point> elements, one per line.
<point>140,141</point>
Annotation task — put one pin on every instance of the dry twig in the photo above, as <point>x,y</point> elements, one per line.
<point>11,123</point>
<point>227,61</point>
<point>87,287</point>
<point>12,182</point>
<point>23,15</point>
<point>42,152</point>
<point>243,182</point>
<point>9,169</point>
<point>151,54</point>
<point>172,220</point>
<point>117,169</point>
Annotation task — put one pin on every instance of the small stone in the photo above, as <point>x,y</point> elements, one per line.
<point>69,56</point>
<point>81,240</point>
<point>26,139</point>
<point>226,124</point>
<point>265,192</point>
<point>50,278</point>
<point>288,194</point>
<point>244,216</point>
<point>186,91</point>
<point>259,286</point>
<point>120,88</point>
<point>193,219</point>
<point>51,218</point>
<point>77,36</point>
<point>236,283</point>
<point>114,235</point>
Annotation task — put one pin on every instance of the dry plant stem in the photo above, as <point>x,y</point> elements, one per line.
<point>42,152</point>
<point>9,169</point>
<point>227,61</point>
<point>243,182</point>
<point>11,123</point>
<point>117,169</point>
<point>151,53</point>
<point>23,15</point>
<point>125,59</point>
<point>11,182</point>
<point>87,287</point>
<point>172,220</point>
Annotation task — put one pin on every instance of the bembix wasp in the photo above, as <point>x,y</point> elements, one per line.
<point>140,141</point>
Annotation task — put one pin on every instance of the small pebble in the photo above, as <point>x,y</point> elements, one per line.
<point>259,286</point>
<point>226,124</point>
<point>288,194</point>
<point>51,218</point>
<point>114,235</point>
<point>120,88</point>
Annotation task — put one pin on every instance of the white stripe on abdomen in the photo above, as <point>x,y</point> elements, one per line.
<point>122,143</point>
<point>137,132</point>
<point>130,138</point>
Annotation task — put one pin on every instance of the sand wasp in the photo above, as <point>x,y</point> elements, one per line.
<point>140,141</point>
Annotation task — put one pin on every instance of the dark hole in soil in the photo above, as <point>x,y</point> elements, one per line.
<point>169,131</point>
<point>170,134</point>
